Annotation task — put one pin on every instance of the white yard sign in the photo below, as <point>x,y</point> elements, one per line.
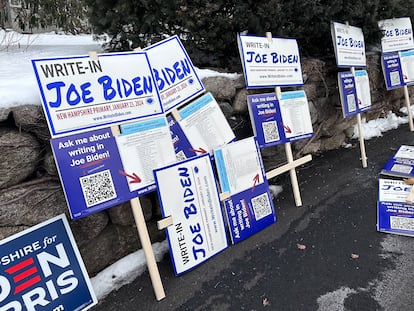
<point>82,93</point>
<point>295,115</point>
<point>349,45</point>
<point>397,34</point>
<point>188,193</point>
<point>270,62</point>
<point>174,73</point>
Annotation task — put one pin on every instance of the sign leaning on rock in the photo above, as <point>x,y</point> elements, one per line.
<point>397,57</point>
<point>41,269</point>
<point>272,63</point>
<point>82,93</point>
<point>84,96</point>
<point>349,46</point>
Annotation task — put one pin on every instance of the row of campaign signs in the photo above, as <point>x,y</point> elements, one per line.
<point>397,60</point>
<point>126,124</point>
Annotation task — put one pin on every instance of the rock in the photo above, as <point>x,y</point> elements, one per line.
<point>122,213</point>
<point>87,228</point>
<point>113,243</point>
<point>220,87</point>
<point>31,119</point>
<point>19,156</point>
<point>31,203</point>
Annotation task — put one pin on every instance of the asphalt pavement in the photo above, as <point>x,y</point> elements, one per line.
<point>325,255</point>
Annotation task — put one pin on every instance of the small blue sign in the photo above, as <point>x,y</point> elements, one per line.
<point>391,66</point>
<point>91,172</point>
<point>42,270</point>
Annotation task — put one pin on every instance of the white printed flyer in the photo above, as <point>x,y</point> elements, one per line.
<point>407,65</point>
<point>296,116</point>
<point>250,207</point>
<point>205,125</point>
<point>144,146</point>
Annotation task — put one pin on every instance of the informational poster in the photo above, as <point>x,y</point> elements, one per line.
<point>91,172</point>
<point>250,207</point>
<point>348,93</point>
<point>182,147</point>
<point>394,215</point>
<point>270,62</point>
<point>277,122</point>
<point>266,119</point>
<point>397,34</point>
<point>354,92</point>
<point>407,65</point>
<point>205,125</point>
<point>174,73</point>
<point>392,70</point>
<point>349,45</point>
<point>296,116</point>
<point>144,146</point>
<point>82,93</point>
<point>363,90</point>
<point>42,270</point>
<point>188,193</point>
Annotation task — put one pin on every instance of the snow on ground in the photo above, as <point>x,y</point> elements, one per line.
<point>18,86</point>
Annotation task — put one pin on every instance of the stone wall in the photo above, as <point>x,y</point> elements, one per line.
<point>30,189</point>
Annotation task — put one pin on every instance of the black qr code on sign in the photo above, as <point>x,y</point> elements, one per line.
<point>270,131</point>
<point>261,206</point>
<point>97,188</point>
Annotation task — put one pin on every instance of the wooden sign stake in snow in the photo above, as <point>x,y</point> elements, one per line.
<point>145,241</point>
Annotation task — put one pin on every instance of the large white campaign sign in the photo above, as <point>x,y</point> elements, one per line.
<point>188,193</point>
<point>397,34</point>
<point>82,93</point>
<point>41,269</point>
<point>174,73</point>
<point>349,45</point>
<point>270,62</point>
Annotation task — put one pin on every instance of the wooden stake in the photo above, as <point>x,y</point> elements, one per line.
<point>289,156</point>
<point>407,103</point>
<point>145,241</point>
<point>361,134</point>
<point>147,247</point>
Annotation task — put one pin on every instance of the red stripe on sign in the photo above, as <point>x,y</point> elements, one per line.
<point>20,266</point>
<point>27,284</point>
<point>24,274</point>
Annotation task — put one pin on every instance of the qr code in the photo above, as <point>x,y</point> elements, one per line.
<point>261,206</point>
<point>270,131</point>
<point>401,223</point>
<point>395,78</point>
<point>97,188</point>
<point>351,102</point>
<point>180,156</point>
